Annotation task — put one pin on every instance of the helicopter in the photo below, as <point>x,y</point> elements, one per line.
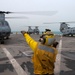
<point>5,29</point>
<point>33,31</point>
<point>65,29</point>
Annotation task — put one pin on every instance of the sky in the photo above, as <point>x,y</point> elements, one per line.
<point>65,11</point>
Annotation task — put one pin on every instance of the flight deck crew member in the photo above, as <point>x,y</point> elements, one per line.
<point>44,52</point>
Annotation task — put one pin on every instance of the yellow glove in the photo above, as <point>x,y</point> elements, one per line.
<point>23,32</point>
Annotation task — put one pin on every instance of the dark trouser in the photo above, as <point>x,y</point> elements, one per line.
<point>48,74</point>
<point>44,74</point>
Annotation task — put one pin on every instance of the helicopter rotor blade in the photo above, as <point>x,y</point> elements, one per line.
<point>5,12</point>
<point>71,22</point>
<point>59,22</point>
<point>50,22</point>
<point>16,17</point>
<point>33,26</point>
<point>48,13</point>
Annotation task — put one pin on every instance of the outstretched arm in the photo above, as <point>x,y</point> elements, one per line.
<point>31,42</point>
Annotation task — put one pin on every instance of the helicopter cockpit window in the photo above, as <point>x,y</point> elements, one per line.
<point>0,23</point>
<point>5,23</point>
<point>73,30</point>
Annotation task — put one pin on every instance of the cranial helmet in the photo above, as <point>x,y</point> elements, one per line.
<point>47,38</point>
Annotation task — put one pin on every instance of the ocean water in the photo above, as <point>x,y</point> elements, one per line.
<point>55,32</point>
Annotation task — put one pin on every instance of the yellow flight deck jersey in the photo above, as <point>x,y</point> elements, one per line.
<point>43,57</point>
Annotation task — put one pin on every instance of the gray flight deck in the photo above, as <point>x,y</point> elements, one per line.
<point>15,56</point>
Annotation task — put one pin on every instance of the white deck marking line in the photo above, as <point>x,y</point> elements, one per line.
<point>58,58</point>
<point>15,64</point>
<point>26,53</point>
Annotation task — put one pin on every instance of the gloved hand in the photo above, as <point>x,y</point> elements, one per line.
<point>23,32</point>
<point>55,44</point>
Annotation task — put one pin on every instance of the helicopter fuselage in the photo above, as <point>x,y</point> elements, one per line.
<point>67,31</point>
<point>33,31</point>
<point>5,29</point>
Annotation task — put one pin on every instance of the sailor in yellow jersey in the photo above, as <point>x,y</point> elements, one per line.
<point>44,52</point>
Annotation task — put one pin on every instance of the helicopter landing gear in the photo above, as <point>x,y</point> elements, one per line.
<point>2,41</point>
<point>71,35</point>
<point>37,33</point>
<point>7,37</point>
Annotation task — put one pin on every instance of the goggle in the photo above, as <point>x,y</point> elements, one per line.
<point>47,35</point>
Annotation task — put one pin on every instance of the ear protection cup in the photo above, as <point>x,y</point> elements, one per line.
<point>42,40</point>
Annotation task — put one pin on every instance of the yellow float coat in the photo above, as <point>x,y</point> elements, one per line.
<point>43,57</point>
